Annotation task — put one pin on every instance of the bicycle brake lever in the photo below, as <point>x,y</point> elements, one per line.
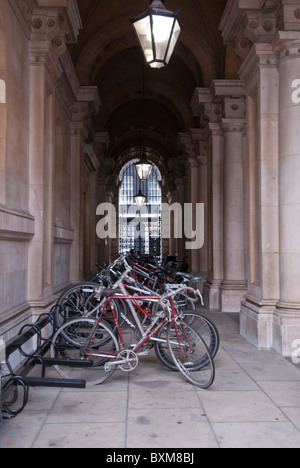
<point>201,297</point>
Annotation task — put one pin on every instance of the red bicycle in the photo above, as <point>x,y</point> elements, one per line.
<point>89,339</point>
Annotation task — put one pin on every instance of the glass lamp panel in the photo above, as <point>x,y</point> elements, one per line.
<point>144,170</point>
<point>140,199</point>
<point>173,42</point>
<point>162,29</point>
<point>143,30</point>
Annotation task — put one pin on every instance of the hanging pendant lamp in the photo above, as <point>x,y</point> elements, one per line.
<point>143,167</point>
<point>158,30</point>
<point>140,199</point>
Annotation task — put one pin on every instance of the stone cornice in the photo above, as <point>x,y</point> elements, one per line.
<point>16,225</point>
<point>287,45</point>
<point>246,22</point>
<point>260,56</point>
<point>55,20</point>
<point>231,88</point>
<point>42,53</point>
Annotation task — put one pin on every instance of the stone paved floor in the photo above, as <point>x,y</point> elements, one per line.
<point>254,402</point>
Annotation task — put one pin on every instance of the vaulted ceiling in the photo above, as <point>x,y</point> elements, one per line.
<point>140,104</point>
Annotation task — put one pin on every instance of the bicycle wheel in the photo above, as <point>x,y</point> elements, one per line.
<point>190,354</point>
<point>205,328</point>
<point>71,341</point>
<point>75,301</point>
<point>81,300</point>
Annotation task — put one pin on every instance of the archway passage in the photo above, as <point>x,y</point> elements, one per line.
<point>141,103</point>
<point>78,100</point>
<point>135,97</point>
<point>140,226</point>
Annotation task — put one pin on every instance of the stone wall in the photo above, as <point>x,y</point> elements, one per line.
<point>45,126</point>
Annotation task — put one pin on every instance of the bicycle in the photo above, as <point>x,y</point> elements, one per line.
<point>89,338</point>
<point>85,300</point>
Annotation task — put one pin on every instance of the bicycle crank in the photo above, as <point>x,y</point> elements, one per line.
<point>130,360</point>
<point>127,361</point>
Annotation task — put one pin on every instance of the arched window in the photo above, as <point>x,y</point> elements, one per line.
<point>140,227</point>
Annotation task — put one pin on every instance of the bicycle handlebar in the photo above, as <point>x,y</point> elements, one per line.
<point>126,276</point>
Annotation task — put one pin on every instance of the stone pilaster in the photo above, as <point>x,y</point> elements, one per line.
<point>234,284</point>
<point>260,73</point>
<point>212,286</point>
<point>41,133</point>
<point>286,326</point>
<point>222,109</point>
<point>210,113</point>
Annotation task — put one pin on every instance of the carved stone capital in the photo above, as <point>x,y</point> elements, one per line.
<point>47,20</point>
<point>245,23</point>
<point>233,125</point>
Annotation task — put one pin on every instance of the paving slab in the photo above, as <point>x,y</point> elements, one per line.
<point>253,403</point>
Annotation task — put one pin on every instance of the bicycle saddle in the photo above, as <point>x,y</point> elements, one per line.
<point>109,292</point>
<point>195,278</point>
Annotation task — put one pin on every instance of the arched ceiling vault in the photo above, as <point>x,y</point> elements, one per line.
<point>140,105</point>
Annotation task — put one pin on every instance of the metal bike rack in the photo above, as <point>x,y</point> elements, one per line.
<point>37,357</point>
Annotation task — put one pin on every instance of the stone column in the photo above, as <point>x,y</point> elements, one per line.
<point>234,285</point>
<point>250,27</point>
<point>102,141</point>
<point>260,73</point>
<point>76,273</point>
<point>287,318</point>
<point>212,287</point>
<point>198,136</point>
<point>210,113</point>
<point>41,172</point>
<point>194,199</point>
<point>87,104</point>
<point>179,182</point>
<point>203,198</point>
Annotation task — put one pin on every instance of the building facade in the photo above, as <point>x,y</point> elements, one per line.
<point>238,154</point>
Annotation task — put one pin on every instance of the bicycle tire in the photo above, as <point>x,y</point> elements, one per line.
<point>80,300</point>
<point>190,354</point>
<point>72,303</point>
<point>70,341</point>
<point>202,325</point>
<point>206,329</point>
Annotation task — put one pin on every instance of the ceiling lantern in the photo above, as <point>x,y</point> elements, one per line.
<point>144,167</point>
<point>158,30</point>
<point>140,199</point>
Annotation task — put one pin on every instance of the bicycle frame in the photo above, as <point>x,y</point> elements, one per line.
<point>176,289</point>
<point>167,315</point>
<point>148,335</point>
